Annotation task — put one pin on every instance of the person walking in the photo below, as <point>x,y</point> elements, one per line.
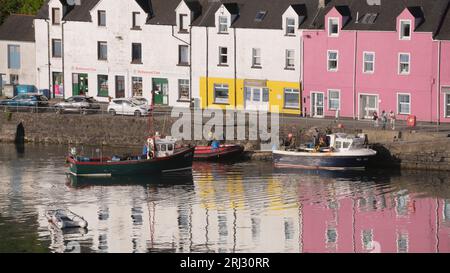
<point>375,119</point>
<point>392,119</point>
<point>384,119</point>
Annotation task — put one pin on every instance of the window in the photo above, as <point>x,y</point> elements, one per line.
<point>136,23</point>
<point>183,55</point>
<point>183,20</point>
<point>405,29</point>
<point>183,90</point>
<point>13,79</point>
<point>331,235</point>
<point>447,105</point>
<point>333,27</point>
<point>260,15</point>
<point>369,62</point>
<point>290,59</point>
<point>223,56</point>
<point>223,24</point>
<point>334,100</point>
<point>101,18</point>
<point>367,239</point>
<point>404,104</point>
<point>332,60</point>
<point>136,53</point>
<point>404,63</point>
<point>56,48</point>
<point>402,243</point>
<point>221,94</point>
<point>291,98</point>
<point>256,57</point>
<point>13,56</point>
<point>102,83</point>
<point>136,86</point>
<point>56,16</point>
<point>102,51</point>
<point>290,26</point>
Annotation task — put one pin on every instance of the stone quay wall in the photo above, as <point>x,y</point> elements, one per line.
<point>397,149</point>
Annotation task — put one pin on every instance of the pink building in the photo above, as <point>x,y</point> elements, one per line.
<point>366,56</point>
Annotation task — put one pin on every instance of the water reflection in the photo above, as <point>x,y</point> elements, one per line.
<point>245,207</point>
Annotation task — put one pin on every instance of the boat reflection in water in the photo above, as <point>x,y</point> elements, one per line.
<point>183,177</point>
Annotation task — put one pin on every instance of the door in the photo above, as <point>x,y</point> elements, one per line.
<point>368,105</point>
<point>256,98</point>
<point>317,104</point>
<point>120,87</point>
<point>80,84</point>
<point>58,90</point>
<point>160,91</point>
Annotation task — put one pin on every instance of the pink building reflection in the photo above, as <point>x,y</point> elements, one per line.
<point>392,222</point>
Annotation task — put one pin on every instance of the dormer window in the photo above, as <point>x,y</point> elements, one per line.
<point>101,18</point>
<point>183,22</point>
<point>290,26</point>
<point>333,27</point>
<point>405,29</point>
<point>56,16</point>
<point>223,24</point>
<point>135,22</point>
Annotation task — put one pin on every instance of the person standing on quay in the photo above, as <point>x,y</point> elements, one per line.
<point>392,119</point>
<point>375,119</point>
<point>384,119</point>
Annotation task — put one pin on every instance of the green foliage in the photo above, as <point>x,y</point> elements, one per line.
<point>18,6</point>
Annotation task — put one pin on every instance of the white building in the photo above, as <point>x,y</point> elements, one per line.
<point>17,53</point>
<point>223,53</point>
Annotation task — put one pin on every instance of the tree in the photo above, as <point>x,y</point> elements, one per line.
<point>8,7</point>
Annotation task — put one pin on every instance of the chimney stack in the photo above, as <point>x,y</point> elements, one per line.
<point>323,3</point>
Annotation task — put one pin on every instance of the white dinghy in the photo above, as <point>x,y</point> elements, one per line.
<point>64,218</point>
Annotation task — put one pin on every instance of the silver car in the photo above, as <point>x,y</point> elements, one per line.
<point>80,104</point>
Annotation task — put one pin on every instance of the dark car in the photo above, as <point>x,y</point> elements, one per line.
<point>26,102</point>
<point>80,104</point>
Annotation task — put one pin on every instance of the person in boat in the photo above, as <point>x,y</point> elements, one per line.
<point>289,142</point>
<point>150,148</point>
<point>210,138</point>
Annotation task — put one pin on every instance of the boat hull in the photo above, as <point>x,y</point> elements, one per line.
<point>181,160</point>
<point>326,161</point>
<point>223,153</point>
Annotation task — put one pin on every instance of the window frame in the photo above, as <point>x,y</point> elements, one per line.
<point>99,22</point>
<point>99,43</point>
<point>291,90</point>
<point>221,24</point>
<point>221,55</point>
<point>364,62</point>
<point>187,85</point>
<point>401,36</point>
<point>398,103</point>
<point>221,86</point>
<point>133,60</point>
<point>287,58</point>
<point>182,19</point>
<point>400,63</point>
<point>53,48</point>
<point>328,60</point>
<point>10,63</point>
<point>56,20</point>
<point>330,34</point>
<point>329,91</point>
<point>446,105</point>
<point>135,24</point>
<point>255,57</point>
<point>180,62</point>
<point>288,26</point>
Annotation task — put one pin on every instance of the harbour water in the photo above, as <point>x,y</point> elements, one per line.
<point>242,207</point>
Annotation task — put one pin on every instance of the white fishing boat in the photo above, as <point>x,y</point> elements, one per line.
<point>63,218</point>
<point>340,152</point>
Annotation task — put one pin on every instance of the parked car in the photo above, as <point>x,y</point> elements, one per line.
<point>141,102</point>
<point>28,101</point>
<point>127,107</point>
<point>80,104</point>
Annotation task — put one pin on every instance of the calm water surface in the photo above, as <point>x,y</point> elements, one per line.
<point>244,207</point>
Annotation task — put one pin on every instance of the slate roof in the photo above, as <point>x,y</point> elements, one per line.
<point>18,27</point>
<point>433,13</point>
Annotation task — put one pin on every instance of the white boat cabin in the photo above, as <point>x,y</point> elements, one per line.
<point>165,146</point>
<point>344,142</point>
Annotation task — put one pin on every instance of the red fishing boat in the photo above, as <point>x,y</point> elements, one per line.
<point>218,153</point>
